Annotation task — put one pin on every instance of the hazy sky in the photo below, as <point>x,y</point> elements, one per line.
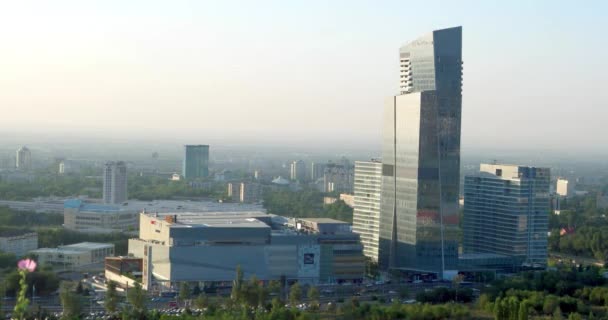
<point>535,72</point>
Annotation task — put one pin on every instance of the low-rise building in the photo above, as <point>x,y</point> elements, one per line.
<point>208,247</point>
<point>75,255</point>
<point>18,242</point>
<point>93,217</point>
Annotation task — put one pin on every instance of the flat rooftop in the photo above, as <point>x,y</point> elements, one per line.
<point>75,248</point>
<point>88,246</point>
<point>323,220</point>
<point>162,206</point>
<point>235,219</point>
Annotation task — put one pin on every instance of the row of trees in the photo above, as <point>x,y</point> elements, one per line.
<point>571,291</point>
<point>587,227</point>
<point>51,185</point>
<point>151,188</point>
<point>306,204</point>
<point>589,241</point>
<point>13,218</point>
<point>53,237</point>
<point>45,280</point>
<point>140,187</point>
<point>561,282</point>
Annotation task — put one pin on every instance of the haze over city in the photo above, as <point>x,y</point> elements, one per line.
<point>314,73</point>
<point>283,160</point>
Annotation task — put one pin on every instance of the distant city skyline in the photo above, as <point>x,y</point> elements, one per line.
<point>319,77</point>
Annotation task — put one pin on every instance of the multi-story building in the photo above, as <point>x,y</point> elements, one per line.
<point>93,217</point>
<point>506,212</point>
<point>69,166</point>
<point>250,192</point>
<point>234,190</point>
<point>196,161</point>
<point>563,188</point>
<point>338,178</point>
<point>366,214</point>
<point>190,247</point>
<point>75,255</point>
<point>115,182</point>
<point>103,218</point>
<point>421,157</point>
<point>23,159</point>
<point>297,171</point>
<point>316,171</point>
<point>18,242</point>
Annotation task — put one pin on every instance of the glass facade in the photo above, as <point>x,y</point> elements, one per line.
<point>506,211</point>
<point>196,161</point>
<point>421,157</point>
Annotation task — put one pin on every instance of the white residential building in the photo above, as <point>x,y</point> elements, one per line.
<point>366,215</point>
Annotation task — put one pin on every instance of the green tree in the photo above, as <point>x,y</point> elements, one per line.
<point>184,292</point>
<point>111,298</point>
<point>252,293</point>
<point>274,287</point>
<point>137,298</point>
<point>70,302</point>
<point>550,304</point>
<point>201,301</point>
<point>237,285</point>
<point>523,311</point>
<point>2,296</point>
<point>295,294</point>
<point>557,314</point>
<point>313,295</point>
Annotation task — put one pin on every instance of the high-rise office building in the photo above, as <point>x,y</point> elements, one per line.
<point>196,161</point>
<point>23,159</point>
<point>115,182</point>
<point>421,157</point>
<point>506,212</point>
<point>297,171</point>
<point>366,214</point>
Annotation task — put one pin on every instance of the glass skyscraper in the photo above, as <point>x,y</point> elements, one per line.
<point>421,157</point>
<point>506,212</point>
<point>196,161</point>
